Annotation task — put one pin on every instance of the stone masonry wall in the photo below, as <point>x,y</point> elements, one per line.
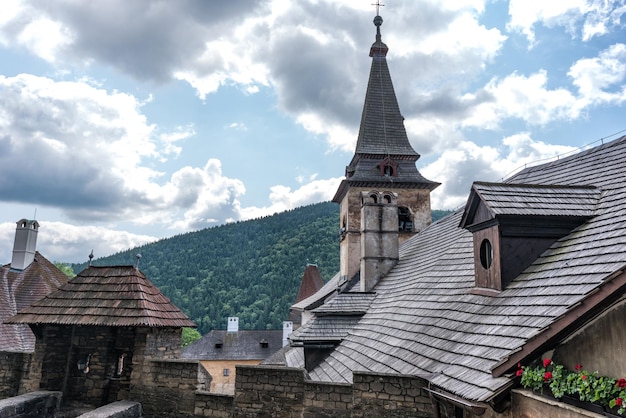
<point>327,400</point>
<point>213,405</point>
<point>391,395</point>
<point>264,391</point>
<point>285,392</point>
<point>40,404</point>
<point>169,389</point>
<point>13,367</point>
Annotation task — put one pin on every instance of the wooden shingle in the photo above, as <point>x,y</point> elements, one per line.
<point>118,296</point>
<point>425,321</point>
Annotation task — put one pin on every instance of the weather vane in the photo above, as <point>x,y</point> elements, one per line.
<point>377,4</point>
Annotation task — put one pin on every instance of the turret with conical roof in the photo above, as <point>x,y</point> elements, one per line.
<point>384,161</point>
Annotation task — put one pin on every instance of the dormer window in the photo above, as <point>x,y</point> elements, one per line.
<point>264,343</point>
<point>486,254</point>
<point>388,168</point>
<point>218,344</point>
<point>513,224</point>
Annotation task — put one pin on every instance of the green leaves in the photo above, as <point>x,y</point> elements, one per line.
<point>587,386</point>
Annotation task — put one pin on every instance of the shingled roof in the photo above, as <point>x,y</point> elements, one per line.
<point>20,288</point>
<point>240,345</point>
<point>119,296</point>
<point>506,199</point>
<point>426,321</point>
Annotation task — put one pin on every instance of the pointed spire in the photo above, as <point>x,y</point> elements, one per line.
<point>383,152</point>
<point>378,49</point>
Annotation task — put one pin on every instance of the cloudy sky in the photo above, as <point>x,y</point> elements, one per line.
<point>126,121</point>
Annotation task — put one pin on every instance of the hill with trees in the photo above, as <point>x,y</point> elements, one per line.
<point>250,269</point>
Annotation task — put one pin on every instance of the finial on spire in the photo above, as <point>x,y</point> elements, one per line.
<point>90,258</point>
<point>377,4</point>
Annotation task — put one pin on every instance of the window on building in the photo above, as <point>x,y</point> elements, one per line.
<point>405,220</point>
<point>226,372</point>
<point>486,254</point>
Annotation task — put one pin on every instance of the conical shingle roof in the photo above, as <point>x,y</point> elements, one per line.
<point>382,137</point>
<point>106,296</point>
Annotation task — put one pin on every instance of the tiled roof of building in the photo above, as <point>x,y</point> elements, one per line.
<point>239,345</point>
<point>106,296</point>
<point>349,303</point>
<point>287,356</point>
<point>426,321</point>
<point>20,288</point>
<point>310,284</point>
<point>536,200</point>
<point>334,319</point>
<point>324,329</point>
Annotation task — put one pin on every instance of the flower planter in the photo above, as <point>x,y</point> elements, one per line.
<point>574,401</point>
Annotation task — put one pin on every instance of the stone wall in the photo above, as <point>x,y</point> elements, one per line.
<point>168,388</point>
<point>390,395</point>
<point>13,367</point>
<point>264,391</point>
<point>287,392</point>
<point>327,400</point>
<point>41,404</point>
<point>213,405</point>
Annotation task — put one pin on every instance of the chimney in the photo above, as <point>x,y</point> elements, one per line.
<point>287,330</point>
<point>379,236</point>
<point>24,244</point>
<point>233,324</point>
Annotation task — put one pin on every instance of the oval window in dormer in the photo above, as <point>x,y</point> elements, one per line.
<point>486,254</point>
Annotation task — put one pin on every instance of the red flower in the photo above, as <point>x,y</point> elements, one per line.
<point>547,362</point>
<point>618,401</point>
<point>583,377</point>
<point>621,383</point>
<point>547,376</point>
<point>578,367</point>
<point>519,372</point>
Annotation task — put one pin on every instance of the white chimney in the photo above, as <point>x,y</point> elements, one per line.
<point>24,244</point>
<point>287,330</point>
<point>233,324</point>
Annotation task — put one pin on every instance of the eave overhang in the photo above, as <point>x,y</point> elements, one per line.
<point>392,183</point>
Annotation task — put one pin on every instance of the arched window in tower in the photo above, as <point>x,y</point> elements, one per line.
<point>405,220</point>
<point>388,168</point>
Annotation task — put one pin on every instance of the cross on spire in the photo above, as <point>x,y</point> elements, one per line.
<point>377,4</point>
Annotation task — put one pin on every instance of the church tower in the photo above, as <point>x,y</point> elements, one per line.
<point>382,173</point>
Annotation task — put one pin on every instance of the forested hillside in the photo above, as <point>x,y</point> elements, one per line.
<point>249,269</point>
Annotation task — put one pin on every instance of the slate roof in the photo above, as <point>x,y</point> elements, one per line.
<point>119,296</point>
<point>334,319</point>
<point>240,345</point>
<point>425,321</point>
<point>535,200</point>
<point>287,356</point>
<point>20,288</point>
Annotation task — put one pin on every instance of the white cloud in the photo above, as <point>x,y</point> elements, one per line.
<point>583,18</point>
<point>523,97</point>
<point>92,153</point>
<point>595,76</point>
<point>283,198</point>
<point>467,162</point>
<point>63,242</point>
